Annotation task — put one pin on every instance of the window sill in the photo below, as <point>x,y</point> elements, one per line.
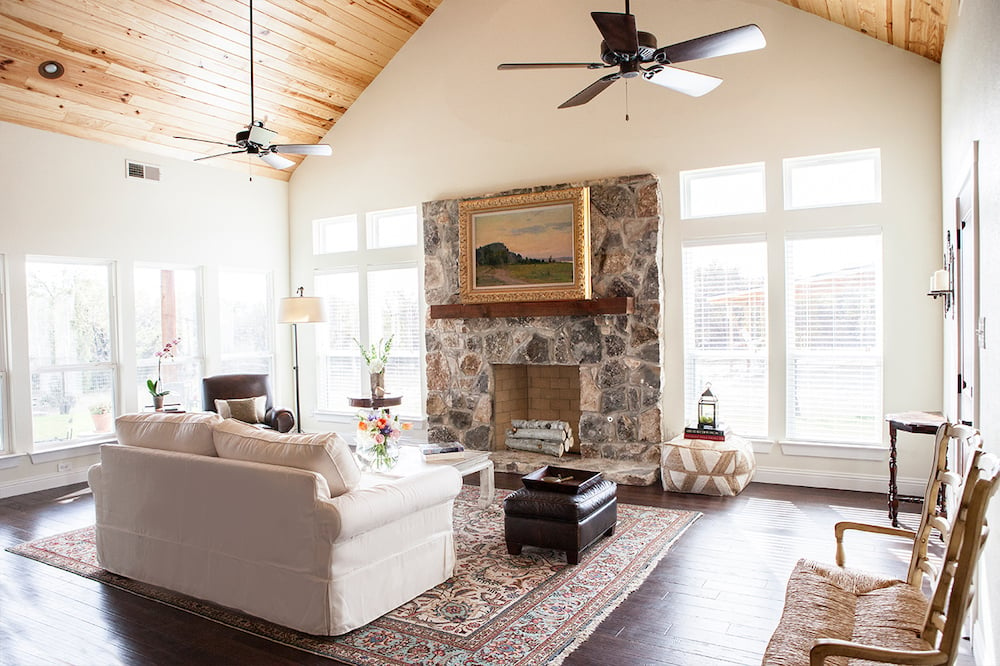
<point>11,460</point>
<point>843,451</point>
<point>91,448</point>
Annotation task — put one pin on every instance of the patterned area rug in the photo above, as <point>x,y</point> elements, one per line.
<point>496,609</point>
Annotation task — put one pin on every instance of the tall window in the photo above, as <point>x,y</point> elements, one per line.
<point>725,330</point>
<point>167,308</point>
<point>246,322</point>
<point>71,349</point>
<point>370,294</point>
<point>834,338</point>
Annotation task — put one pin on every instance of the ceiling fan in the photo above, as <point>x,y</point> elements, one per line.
<point>256,139</point>
<point>635,54</point>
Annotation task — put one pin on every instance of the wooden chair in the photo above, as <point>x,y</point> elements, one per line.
<point>942,483</point>
<point>833,612</point>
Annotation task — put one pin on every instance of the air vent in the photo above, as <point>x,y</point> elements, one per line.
<point>142,171</point>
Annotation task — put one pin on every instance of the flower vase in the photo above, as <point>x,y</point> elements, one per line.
<point>158,403</point>
<point>377,456</point>
<point>378,385</point>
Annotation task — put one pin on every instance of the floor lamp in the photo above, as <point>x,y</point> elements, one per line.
<point>297,310</point>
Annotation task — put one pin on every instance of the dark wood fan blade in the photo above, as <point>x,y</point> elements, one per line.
<point>618,31</point>
<point>552,65</point>
<point>221,143</point>
<point>591,91</point>
<point>208,157</point>
<point>683,81</point>
<point>303,148</point>
<point>727,42</point>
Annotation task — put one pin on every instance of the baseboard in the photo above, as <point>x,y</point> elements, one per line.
<point>867,483</point>
<point>44,482</point>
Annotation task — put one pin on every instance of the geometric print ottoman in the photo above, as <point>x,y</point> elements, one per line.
<point>707,467</point>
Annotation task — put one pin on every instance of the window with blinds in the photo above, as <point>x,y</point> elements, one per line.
<point>833,326</point>
<point>725,331</point>
<point>394,309</point>
<point>339,365</point>
<point>246,322</point>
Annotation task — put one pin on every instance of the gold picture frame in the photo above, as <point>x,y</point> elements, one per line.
<point>525,247</point>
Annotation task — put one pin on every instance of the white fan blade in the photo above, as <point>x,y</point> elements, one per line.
<point>303,149</point>
<point>683,81</point>
<point>276,161</point>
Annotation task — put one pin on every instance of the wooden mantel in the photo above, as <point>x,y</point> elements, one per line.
<point>593,306</point>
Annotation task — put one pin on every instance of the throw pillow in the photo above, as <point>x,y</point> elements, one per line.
<point>187,433</point>
<point>324,453</point>
<point>248,410</point>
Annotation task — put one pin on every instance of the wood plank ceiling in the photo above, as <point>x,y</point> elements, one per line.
<point>138,72</point>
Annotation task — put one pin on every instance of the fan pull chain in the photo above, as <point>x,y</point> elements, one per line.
<point>626,100</point>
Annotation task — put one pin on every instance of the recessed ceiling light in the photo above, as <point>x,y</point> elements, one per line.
<point>51,69</point>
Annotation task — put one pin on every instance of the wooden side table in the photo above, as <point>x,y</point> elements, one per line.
<point>922,423</point>
<point>369,402</point>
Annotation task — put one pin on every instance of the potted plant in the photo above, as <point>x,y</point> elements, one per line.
<point>101,414</point>
<point>155,388</point>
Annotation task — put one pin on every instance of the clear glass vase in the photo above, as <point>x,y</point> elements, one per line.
<point>375,456</point>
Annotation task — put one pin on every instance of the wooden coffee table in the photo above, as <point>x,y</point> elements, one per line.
<point>474,461</point>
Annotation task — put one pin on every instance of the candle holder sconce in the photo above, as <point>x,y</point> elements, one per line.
<point>942,281</point>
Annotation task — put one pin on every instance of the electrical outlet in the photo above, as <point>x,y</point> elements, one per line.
<point>62,467</point>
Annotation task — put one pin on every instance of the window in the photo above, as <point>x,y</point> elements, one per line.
<point>392,228</point>
<point>71,347</point>
<point>725,330</point>
<point>730,190</point>
<point>369,294</point>
<point>839,179</point>
<point>339,364</point>
<point>834,338</point>
<point>4,432</point>
<point>167,308</point>
<point>335,234</point>
<point>246,322</point>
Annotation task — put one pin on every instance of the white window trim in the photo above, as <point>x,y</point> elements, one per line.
<point>789,163</point>
<point>832,450</point>
<point>687,177</point>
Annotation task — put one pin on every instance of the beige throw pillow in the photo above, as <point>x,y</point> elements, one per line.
<point>248,410</point>
<point>324,453</point>
<point>187,433</point>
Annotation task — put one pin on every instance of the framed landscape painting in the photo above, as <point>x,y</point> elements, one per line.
<point>525,247</point>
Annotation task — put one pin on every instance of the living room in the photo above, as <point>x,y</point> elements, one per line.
<point>434,126</point>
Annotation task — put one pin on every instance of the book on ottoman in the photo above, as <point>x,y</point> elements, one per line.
<point>717,434</point>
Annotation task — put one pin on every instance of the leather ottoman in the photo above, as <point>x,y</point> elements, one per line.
<point>560,521</point>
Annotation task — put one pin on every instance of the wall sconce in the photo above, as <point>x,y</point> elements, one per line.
<point>941,281</point>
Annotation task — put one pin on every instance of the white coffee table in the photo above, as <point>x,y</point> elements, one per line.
<point>474,461</point>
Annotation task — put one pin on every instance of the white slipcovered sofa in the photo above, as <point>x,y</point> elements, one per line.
<point>283,527</point>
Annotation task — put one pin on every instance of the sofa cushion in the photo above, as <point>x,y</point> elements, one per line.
<point>324,453</point>
<point>186,433</point>
<point>248,410</point>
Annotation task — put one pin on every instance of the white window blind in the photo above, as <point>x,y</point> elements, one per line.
<point>246,322</point>
<point>394,309</point>
<point>725,331</point>
<point>167,304</point>
<point>340,366</point>
<point>834,338</point>
<point>71,347</point>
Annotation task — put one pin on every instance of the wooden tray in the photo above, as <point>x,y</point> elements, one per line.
<point>574,481</point>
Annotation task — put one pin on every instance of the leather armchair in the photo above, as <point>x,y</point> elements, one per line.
<point>229,387</point>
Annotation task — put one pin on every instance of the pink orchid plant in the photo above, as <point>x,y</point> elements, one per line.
<point>168,351</point>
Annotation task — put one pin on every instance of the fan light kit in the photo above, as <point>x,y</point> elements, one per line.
<point>256,139</point>
<point>635,55</point>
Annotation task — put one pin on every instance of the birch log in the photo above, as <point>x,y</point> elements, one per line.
<point>535,445</point>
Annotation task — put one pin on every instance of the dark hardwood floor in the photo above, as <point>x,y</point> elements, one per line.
<point>713,600</point>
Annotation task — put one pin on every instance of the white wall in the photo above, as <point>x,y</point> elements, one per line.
<point>441,122</point>
<point>970,110</point>
<point>64,196</point>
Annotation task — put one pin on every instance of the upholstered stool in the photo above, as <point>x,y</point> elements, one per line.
<point>558,520</point>
<point>705,466</point>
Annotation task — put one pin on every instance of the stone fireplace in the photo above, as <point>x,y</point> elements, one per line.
<point>616,358</point>
<point>543,392</point>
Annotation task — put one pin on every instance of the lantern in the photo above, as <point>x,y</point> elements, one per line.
<point>708,409</point>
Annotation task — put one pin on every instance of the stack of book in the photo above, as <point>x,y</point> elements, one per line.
<point>718,433</point>
<point>436,452</point>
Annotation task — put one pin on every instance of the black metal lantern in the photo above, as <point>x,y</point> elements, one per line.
<point>708,409</point>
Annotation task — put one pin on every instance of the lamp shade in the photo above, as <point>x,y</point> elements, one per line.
<point>301,310</point>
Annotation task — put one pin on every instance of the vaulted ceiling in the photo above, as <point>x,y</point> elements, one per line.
<point>138,72</point>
